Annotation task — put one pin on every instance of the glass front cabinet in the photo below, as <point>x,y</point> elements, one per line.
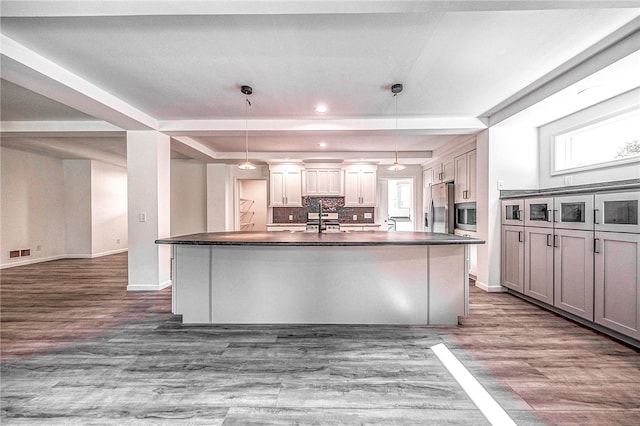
<point>617,212</point>
<point>538,212</point>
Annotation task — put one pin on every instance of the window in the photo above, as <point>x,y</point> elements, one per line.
<point>611,141</point>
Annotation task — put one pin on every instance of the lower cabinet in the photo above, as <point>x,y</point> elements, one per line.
<point>512,262</point>
<point>617,282</point>
<point>594,276</point>
<point>573,272</point>
<point>538,264</point>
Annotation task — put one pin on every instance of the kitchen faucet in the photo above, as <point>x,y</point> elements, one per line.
<point>320,228</point>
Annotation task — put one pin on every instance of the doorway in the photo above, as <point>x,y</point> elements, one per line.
<point>400,204</point>
<point>251,205</point>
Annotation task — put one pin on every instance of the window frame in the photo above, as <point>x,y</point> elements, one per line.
<point>584,125</point>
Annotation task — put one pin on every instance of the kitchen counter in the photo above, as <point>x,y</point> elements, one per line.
<point>630,184</point>
<point>364,277</point>
<point>360,238</point>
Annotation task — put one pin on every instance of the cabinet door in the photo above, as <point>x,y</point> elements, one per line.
<point>460,181</point>
<point>292,189</point>
<point>335,182</point>
<point>538,212</point>
<point>573,272</point>
<point>512,265</point>
<point>448,171</point>
<point>352,187</point>
<point>276,188</point>
<point>472,161</point>
<point>368,187</point>
<point>513,212</point>
<point>427,178</point>
<point>538,264</point>
<point>617,282</point>
<point>310,182</point>
<point>618,212</point>
<point>573,212</point>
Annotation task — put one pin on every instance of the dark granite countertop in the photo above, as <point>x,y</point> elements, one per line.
<point>630,185</point>
<point>361,238</point>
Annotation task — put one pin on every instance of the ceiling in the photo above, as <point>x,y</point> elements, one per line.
<point>77,75</point>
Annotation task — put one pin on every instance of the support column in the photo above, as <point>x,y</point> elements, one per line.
<point>149,189</point>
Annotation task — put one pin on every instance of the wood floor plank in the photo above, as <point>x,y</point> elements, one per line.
<point>77,348</point>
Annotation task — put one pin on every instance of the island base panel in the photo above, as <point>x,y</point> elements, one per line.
<point>319,285</point>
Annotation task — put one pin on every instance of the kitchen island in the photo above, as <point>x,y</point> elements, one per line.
<point>310,278</point>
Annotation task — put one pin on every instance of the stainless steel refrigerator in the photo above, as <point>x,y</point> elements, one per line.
<point>442,209</point>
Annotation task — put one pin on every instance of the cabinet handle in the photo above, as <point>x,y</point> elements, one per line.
<point>465,194</point>
<point>520,240</point>
<point>548,242</point>
<point>595,245</point>
<point>519,215</point>
<point>595,216</point>
<point>440,176</point>
<point>555,241</point>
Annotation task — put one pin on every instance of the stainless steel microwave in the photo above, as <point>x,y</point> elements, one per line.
<point>466,216</point>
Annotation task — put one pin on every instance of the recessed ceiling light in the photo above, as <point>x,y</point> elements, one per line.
<point>322,144</point>
<point>321,108</point>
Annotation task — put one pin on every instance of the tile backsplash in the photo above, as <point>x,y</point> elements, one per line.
<point>329,205</point>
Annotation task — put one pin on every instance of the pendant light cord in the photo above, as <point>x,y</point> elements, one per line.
<point>246,127</point>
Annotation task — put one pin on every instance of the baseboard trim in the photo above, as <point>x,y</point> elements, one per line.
<point>110,252</point>
<point>490,288</point>
<point>31,261</point>
<point>148,287</point>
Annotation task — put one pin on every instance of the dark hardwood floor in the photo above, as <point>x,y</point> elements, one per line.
<point>77,348</point>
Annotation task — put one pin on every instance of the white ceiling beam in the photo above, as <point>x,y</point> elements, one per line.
<point>380,157</point>
<point>193,149</point>
<point>57,8</point>
<point>414,125</point>
<point>58,128</point>
<point>26,68</point>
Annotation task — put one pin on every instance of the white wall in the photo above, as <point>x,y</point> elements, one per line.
<point>109,233</point>
<point>604,109</point>
<point>67,208</point>
<point>256,191</point>
<point>77,211</point>
<point>31,207</point>
<point>509,155</point>
<point>222,194</point>
<point>188,197</point>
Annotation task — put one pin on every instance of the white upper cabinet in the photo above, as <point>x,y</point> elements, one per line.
<point>427,177</point>
<point>465,177</point>
<point>444,172</point>
<point>323,181</point>
<point>285,186</point>
<point>360,186</point>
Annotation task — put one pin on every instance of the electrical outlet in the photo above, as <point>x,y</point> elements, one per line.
<point>368,216</point>
<point>142,217</point>
<point>500,184</point>
<point>568,180</point>
<point>355,217</point>
<point>38,247</point>
<point>117,240</point>
<point>290,217</point>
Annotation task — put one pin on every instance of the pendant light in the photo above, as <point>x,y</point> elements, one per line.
<point>396,166</point>
<point>246,91</point>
